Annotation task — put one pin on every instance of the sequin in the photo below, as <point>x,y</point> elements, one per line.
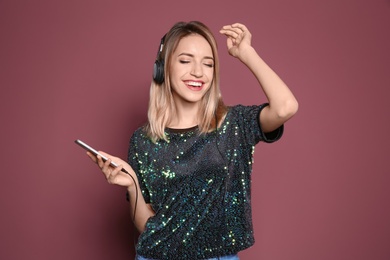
<point>199,187</point>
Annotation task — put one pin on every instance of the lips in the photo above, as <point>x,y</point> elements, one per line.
<point>195,85</point>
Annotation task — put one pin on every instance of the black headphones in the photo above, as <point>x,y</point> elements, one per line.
<point>158,68</point>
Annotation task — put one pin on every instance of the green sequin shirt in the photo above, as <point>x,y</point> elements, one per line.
<point>199,186</point>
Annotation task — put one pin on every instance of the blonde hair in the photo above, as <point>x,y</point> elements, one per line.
<point>161,104</point>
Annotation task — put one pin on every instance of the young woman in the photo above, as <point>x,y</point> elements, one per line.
<point>189,166</point>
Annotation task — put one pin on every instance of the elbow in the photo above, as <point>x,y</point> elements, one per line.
<point>288,110</point>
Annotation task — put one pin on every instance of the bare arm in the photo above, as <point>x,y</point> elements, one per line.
<point>143,211</point>
<point>282,103</point>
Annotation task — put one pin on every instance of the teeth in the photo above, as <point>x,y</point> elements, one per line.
<point>195,84</point>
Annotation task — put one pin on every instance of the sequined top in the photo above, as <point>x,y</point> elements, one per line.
<point>199,187</point>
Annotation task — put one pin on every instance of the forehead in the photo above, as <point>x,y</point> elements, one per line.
<point>194,44</point>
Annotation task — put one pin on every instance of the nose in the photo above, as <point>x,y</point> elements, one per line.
<point>197,70</point>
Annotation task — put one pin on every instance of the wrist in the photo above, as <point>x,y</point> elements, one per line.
<point>131,189</point>
<point>247,54</point>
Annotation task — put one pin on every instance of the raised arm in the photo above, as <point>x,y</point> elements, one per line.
<point>282,103</point>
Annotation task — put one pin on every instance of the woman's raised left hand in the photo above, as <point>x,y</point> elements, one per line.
<point>238,38</point>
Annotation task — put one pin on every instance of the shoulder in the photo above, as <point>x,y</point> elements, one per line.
<point>140,131</point>
<point>139,135</point>
<point>244,112</point>
<point>239,108</point>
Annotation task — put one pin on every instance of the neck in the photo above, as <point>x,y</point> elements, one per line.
<point>186,116</point>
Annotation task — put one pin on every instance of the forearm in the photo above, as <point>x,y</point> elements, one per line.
<point>142,210</point>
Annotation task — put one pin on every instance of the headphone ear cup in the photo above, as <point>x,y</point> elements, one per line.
<point>158,71</point>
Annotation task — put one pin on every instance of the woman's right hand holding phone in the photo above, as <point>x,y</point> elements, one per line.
<point>115,175</point>
<point>140,210</point>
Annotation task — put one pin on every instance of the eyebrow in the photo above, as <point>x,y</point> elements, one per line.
<point>192,56</point>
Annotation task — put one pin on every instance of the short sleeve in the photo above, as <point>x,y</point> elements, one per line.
<point>248,120</point>
<point>271,136</point>
<point>133,160</point>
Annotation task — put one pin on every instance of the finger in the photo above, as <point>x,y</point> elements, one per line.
<point>231,31</point>
<point>236,27</point>
<point>113,158</point>
<point>100,161</point>
<point>240,26</point>
<point>106,165</point>
<point>235,34</point>
<point>93,157</point>
<point>245,32</point>
<point>107,169</point>
<point>111,178</point>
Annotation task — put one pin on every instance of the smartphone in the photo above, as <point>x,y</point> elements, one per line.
<point>94,152</point>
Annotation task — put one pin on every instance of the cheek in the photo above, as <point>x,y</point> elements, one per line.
<point>209,84</point>
<point>210,76</point>
<point>175,73</point>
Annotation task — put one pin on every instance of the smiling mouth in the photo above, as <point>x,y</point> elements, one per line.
<point>194,84</point>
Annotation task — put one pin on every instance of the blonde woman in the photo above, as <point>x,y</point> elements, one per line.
<point>189,167</point>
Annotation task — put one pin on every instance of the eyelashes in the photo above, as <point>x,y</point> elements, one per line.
<point>210,65</point>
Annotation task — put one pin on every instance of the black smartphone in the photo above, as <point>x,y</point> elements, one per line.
<point>94,152</point>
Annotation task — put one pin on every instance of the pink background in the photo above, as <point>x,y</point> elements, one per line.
<point>82,69</point>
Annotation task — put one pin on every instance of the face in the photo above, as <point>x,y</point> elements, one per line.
<point>191,70</point>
